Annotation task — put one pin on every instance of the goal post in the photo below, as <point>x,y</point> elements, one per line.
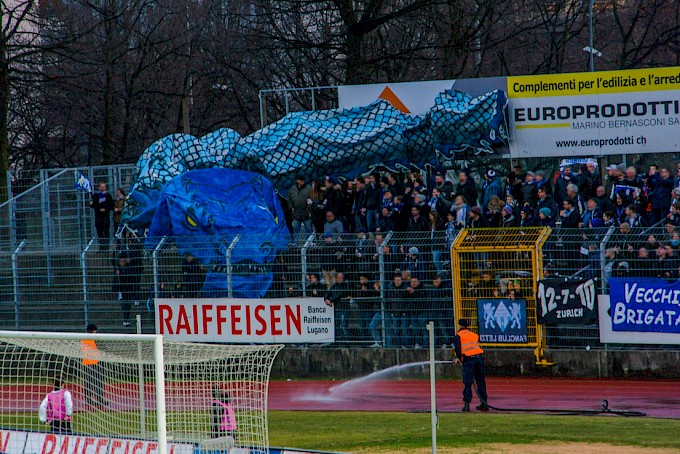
<point>131,394</point>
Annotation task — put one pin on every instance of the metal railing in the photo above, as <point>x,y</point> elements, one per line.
<point>46,208</point>
<point>78,284</point>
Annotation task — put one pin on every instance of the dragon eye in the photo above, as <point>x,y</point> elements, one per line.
<point>191,221</point>
<point>276,218</point>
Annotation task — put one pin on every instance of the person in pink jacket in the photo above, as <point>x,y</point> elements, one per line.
<point>223,417</point>
<point>56,409</point>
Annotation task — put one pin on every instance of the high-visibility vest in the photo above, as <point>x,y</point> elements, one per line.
<point>469,343</point>
<point>56,406</point>
<point>90,352</point>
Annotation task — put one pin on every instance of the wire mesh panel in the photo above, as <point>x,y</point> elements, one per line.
<point>96,386</point>
<point>498,264</point>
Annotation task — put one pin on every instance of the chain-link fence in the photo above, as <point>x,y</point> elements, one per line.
<point>45,207</point>
<point>384,286</point>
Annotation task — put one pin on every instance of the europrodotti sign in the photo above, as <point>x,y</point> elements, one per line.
<point>598,113</point>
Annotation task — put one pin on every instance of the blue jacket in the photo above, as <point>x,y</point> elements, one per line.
<point>490,189</point>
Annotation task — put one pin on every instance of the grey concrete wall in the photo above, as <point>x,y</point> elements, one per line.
<point>342,363</point>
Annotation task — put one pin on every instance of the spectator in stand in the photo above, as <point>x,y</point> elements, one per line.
<point>439,205</point>
<point>545,218</point>
<point>386,223</point>
<point>372,202</point>
<point>508,218</point>
<point>570,215</point>
<point>396,187</point>
<point>444,187</point>
<point>193,277</point>
<point>466,187</point>
<point>314,288</point>
<point>102,204</point>
<point>545,200</point>
<point>621,201</point>
<point>413,263</point>
<point>418,312</point>
<point>318,210</point>
<point>493,213</point>
<point>332,225</point>
<point>300,204</point>
<point>440,297</point>
<point>124,287</point>
<point>366,295</point>
<point>609,219</point>
<point>346,214</point>
<point>633,218</point>
<point>603,201</point>
<point>397,322</point>
<point>118,205</point>
<point>475,219</point>
<point>563,181</point>
<point>615,176</point>
<point>529,189</point>
<point>631,178</point>
<point>512,203</point>
<point>359,203</point>
<point>338,297</point>
<point>673,216</point>
<point>491,187</point>
<point>437,241</point>
<point>362,252</point>
<point>579,203</point>
<point>450,229</point>
<point>527,218</point>
<point>541,182</point>
<point>461,209</point>
<point>585,182</point>
<point>592,212</point>
<point>594,174</point>
<point>661,189</point>
<point>331,252</point>
<point>514,182</point>
<point>332,198</point>
<point>417,222</point>
<point>487,286</point>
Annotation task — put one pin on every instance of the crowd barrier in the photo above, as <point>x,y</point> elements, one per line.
<point>395,281</point>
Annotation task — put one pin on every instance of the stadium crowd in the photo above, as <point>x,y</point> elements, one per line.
<point>351,221</point>
<point>352,218</point>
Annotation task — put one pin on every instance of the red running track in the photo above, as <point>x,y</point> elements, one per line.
<point>656,398</point>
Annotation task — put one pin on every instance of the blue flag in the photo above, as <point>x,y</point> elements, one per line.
<point>83,183</point>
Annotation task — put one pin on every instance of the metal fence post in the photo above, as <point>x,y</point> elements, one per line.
<point>46,222</point>
<point>603,253</point>
<point>15,279</point>
<point>232,245</point>
<point>303,262</point>
<point>83,267</point>
<point>154,259</point>
<point>383,283</point>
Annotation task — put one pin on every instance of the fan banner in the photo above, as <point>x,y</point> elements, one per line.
<point>560,302</point>
<point>502,321</point>
<point>648,305</point>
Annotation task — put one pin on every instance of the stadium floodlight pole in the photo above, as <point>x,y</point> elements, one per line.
<point>590,28</point>
<point>433,389</point>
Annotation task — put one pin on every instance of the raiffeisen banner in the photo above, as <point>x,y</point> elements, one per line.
<point>595,113</point>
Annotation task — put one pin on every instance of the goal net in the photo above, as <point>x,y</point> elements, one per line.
<point>131,394</point>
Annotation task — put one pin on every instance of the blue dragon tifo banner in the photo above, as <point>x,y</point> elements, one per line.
<point>204,210</point>
<point>207,190</point>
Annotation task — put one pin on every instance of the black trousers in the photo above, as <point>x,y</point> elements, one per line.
<point>103,226</point>
<point>61,427</point>
<point>473,372</point>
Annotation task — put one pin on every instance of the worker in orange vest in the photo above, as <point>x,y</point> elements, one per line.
<point>93,380</point>
<point>468,352</point>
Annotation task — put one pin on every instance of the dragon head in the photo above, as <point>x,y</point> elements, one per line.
<point>204,211</point>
